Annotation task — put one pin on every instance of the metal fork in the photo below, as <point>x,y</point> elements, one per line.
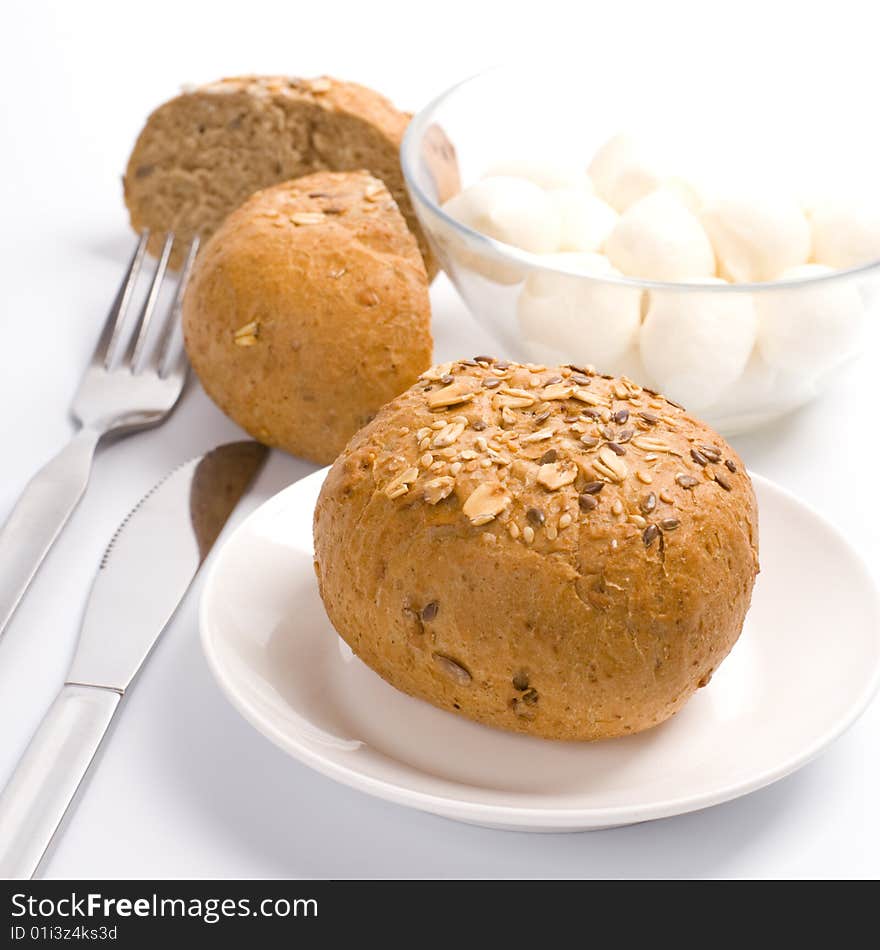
<point>114,397</point>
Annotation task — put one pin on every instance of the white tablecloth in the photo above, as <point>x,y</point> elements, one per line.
<point>186,787</point>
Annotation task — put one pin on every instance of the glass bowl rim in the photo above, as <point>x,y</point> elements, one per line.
<point>415,133</point>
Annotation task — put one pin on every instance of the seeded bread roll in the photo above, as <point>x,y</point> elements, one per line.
<point>308,310</point>
<point>201,154</point>
<point>540,549</point>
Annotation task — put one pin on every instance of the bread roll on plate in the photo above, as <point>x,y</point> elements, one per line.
<point>539,549</point>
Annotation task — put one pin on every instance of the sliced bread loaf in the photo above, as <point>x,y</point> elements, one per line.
<point>201,154</point>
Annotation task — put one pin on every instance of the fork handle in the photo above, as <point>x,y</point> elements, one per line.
<point>39,515</point>
<point>51,770</point>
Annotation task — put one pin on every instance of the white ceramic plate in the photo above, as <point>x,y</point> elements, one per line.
<point>805,667</point>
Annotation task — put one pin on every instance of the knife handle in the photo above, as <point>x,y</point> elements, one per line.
<point>51,770</point>
<point>39,515</point>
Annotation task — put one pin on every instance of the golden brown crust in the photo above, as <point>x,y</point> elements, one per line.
<point>201,154</point>
<point>308,310</point>
<point>544,550</point>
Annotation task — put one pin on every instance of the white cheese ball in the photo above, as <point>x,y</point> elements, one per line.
<point>845,234</point>
<point>630,364</point>
<point>659,239</point>
<point>624,170</point>
<point>687,192</point>
<point>811,329</point>
<point>696,344</point>
<point>757,396</point>
<point>511,210</point>
<point>544,282</point>
<point>469,261</point>
<point>585,221</point>
<point>756,238</point>
<point>570,319</point>
<point>545,173</point>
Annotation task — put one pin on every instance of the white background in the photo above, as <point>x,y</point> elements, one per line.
<point>186,788</point>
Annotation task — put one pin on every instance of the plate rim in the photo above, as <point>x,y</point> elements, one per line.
<point>525,817</point>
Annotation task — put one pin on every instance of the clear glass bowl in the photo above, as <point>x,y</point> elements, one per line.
<point>804,330</point>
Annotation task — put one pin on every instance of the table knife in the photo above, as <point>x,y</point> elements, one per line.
<point>144,574</point>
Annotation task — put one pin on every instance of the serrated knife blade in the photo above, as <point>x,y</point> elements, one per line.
<point>152,559</point>
<point>144,574</point>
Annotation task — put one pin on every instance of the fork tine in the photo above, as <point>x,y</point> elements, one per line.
<point>112,325</point>
<point>176,364</point>
<point>172,319</point>
<point>142,327</point>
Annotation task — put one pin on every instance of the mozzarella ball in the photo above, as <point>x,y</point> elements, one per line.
<point>585,221</point>
<point>469,260</point>
<point>543,282</point>
<point>696,344</point>
<point>511,210</point>
<point>574,319</point>
<point>630,364</point>
<point>545,173</point>
<point>756,238</point>
<point>809,329</point>
<point>623,170</point>
<point>845,234</point>
<point>689,194</point>
<point>659,239</point>
<point>756,396</point>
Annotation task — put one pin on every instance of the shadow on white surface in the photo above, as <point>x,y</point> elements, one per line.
<point>281,817</point>
<point>296,823</point>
